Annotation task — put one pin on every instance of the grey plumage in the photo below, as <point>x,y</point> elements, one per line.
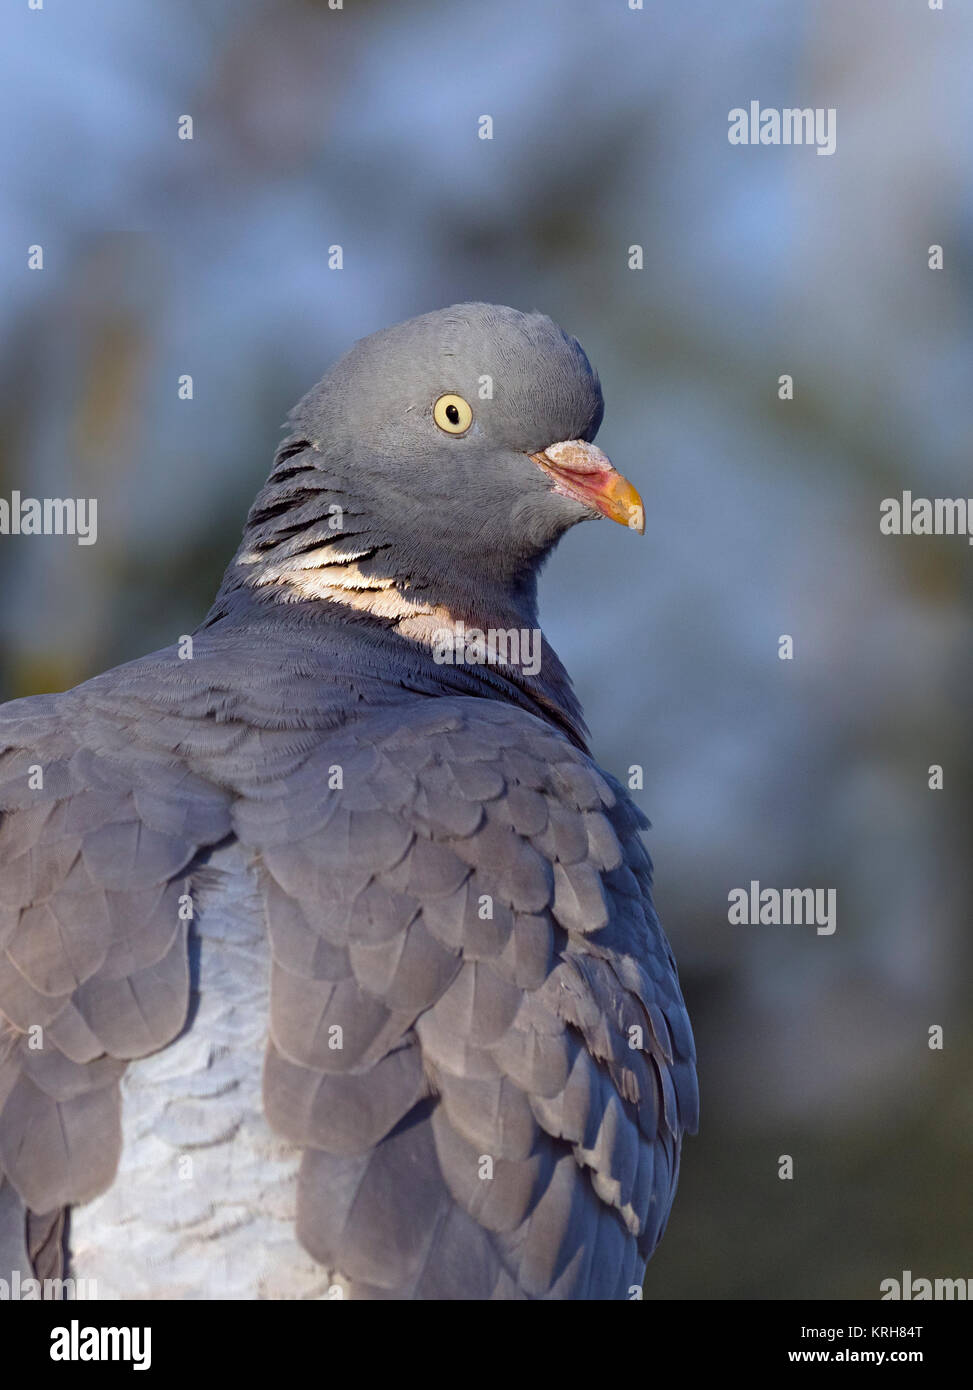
<point>473,1024</point>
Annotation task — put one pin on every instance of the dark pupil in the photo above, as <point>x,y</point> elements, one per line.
<point>452,415</point>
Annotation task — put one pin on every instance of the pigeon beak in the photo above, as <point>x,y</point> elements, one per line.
<point>580,470</point>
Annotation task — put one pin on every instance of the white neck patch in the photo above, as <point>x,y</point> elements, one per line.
<point>332,575</point>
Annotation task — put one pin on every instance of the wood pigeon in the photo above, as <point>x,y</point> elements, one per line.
<point>329,961</point>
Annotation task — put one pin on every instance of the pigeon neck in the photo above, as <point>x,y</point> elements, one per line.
<point>463,624</point>
<point>368,579</point>
<point>376,658</point>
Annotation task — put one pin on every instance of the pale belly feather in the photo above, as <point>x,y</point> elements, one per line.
<point>204,1201</point>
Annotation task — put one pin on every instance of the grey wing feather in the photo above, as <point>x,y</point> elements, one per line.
<point>96,836</point>
<point>477,1031</point>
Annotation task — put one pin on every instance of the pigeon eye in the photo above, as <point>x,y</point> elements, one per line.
<point>452,414</point>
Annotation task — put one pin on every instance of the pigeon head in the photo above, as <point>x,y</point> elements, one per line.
<point>437,463</point>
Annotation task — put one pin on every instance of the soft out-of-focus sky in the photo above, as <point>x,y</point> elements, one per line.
<point>358,127</point>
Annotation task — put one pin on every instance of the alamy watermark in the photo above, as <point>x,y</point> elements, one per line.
<point>50,516</point>
<point>496,646</point>
<point>19,1290</point>
<point>911,1290</point>
<point>926,516</point>
<point>815,907</point>
<point>788,125</point>
<point>77,1343</point>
